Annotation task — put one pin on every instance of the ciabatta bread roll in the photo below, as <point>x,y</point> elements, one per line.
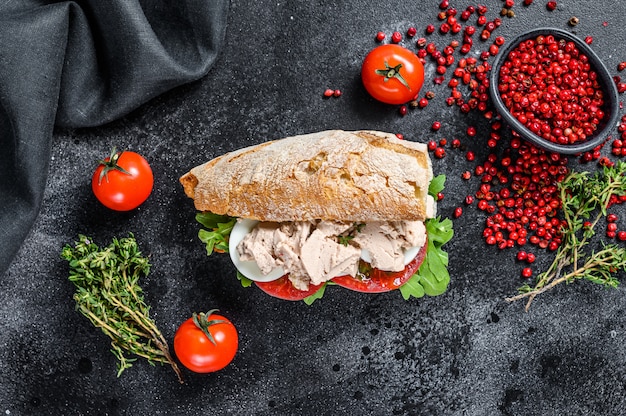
<point>329,175</point>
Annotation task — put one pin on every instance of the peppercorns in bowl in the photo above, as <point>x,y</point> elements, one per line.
<point>554,91</point>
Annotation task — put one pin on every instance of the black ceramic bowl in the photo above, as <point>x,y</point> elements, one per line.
<point>611,100</point>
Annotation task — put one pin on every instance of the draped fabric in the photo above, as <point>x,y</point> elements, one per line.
<point>83,64</point>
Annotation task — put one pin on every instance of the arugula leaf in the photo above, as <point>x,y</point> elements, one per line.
<point>210,220</point>
<point>439,232</point>
<point>412,287</point>
<point>317,295</point>
<point>218,228</point>
<point>245,282</point>
<point>436,185</point>
<point>432,278</point>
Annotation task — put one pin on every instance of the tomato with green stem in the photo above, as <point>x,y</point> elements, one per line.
<point>122,181</point>
<point>392,74</point>
<point>206,342</point>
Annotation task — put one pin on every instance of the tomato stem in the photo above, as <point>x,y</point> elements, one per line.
<point>110,164</point>
<point>201,320</point>
<point>393,72</point>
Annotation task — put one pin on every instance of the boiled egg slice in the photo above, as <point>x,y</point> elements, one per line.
<point>250,269</point>
<point>409,255</point>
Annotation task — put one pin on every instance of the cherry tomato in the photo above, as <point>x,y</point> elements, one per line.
<point>122,181</point>
<point>378,281</point>
<point>206,343</point>
<point>282,288</point>
<point>392,74</point>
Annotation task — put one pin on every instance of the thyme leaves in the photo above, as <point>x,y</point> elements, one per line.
<point>109,296</point>
<point>586,198</point>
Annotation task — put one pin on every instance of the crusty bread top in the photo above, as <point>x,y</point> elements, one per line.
<point>329,175</point>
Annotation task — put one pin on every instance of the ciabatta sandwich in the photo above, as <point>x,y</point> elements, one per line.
<point>334,206</point>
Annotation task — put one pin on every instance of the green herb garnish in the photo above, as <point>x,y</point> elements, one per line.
<point>245,282</point>
<point>436,185</point>
<point>432,278</point>
<point>218,228</point>
<point>585,198</point>
<point>345,239</point>
<point>317,295</point>
<point>109,295</point>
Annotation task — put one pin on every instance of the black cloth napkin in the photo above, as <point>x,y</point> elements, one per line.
<point>82,64</point>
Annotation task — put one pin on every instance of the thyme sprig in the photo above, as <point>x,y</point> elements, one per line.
<point>109,295</point>
<point>585,200</point>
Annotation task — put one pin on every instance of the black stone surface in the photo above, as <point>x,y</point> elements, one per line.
<point>467,352</point>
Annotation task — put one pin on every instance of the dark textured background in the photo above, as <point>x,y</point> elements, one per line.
<point>467,352</point>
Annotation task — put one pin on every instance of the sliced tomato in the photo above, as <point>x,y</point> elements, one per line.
<point>377,281</point>
<point>282,288</point>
